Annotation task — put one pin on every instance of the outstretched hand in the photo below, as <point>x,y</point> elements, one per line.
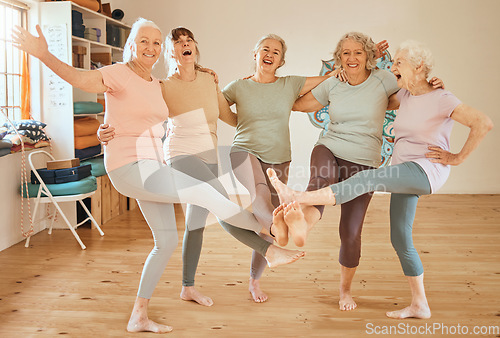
<point>33,45</point>
<point>381,48</point>
<point>438,155</point>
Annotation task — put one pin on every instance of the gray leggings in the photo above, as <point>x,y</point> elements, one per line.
<point>406,181</point>
<point>156,186</point>
<point>196,217</point>
<point>251,172</point>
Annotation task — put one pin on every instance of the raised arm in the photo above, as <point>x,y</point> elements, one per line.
<point>89,81</point>
<point>307,103</point>
<point>479,125</point>
<point>225,113</point>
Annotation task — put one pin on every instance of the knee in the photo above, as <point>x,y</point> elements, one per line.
<point>401,243</point>
<point>317,182</point>
<point>350,233</point>
<point>167,241</point>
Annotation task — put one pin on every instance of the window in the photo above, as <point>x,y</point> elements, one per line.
<point>11,13</point>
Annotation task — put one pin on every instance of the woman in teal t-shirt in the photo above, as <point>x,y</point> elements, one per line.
<point>263,103</point>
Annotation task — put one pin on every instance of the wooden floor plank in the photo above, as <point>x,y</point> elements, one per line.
<point>54,288</point>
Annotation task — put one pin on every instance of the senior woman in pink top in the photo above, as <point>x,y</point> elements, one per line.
<point>420,163</point>
<point>134,159</point>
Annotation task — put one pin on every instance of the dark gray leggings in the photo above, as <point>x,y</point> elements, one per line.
<point>326,169</point>
<point>196,217</point>
<point>251,172</point>
<point>406,181</point>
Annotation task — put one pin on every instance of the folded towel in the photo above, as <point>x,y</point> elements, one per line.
<point>86,126</point>
<point>82,142</point>
<point>87,107</point>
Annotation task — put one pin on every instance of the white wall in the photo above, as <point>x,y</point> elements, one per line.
<point>463,35</point>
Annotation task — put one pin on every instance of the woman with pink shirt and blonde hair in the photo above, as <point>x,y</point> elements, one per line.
<point>134,159</point>
<point>420,163</point>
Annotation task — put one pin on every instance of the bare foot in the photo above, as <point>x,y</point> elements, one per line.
<point>258,295</point>
<point>277,256</point>
<point>412,311</point>
<point>285,194</point>
<point>146,324</point>
<point>294,218</point>
<point>190,293</point>
<point>346,303</point>
<point>279,227</point>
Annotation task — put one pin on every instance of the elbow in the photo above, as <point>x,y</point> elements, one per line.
<point>489,124</point>
<point>298,106</point>
<point>483,125</point>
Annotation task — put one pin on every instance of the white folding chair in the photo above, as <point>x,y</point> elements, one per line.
<point>44,195</point>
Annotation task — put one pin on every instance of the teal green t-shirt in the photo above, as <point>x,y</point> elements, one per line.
<point>356,116</point>
<point>263,116</point>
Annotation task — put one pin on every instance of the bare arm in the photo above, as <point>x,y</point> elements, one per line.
<point>313,81</point>
<point>89,81</point>
<point>225,113</point>
<point>393,103</point>
<point>307,103</point>
<point>479,125</point>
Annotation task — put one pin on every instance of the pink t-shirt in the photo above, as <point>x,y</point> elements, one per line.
<point>424,121</point>
<point>136,109</point>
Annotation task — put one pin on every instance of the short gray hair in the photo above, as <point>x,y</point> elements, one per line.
<point>368,46</point>
<point>272,37</point>
<point>417,54</point>
<point>138,24</point>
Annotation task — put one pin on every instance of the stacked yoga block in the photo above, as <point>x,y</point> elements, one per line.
<point>79,56</point>
<point>93,34</point>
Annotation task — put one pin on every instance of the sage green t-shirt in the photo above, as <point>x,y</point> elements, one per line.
<point>263,116</point>
<point>356,116</point>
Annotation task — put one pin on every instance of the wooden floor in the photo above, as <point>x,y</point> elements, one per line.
<point>54,288</point>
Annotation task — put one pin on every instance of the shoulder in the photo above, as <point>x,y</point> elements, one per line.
<point>447,96</point>
<point>329,84</point>
<point>113,69</point>
<point>292,78</point>
<point>235,84</point>
<point>207,80</point>
<point>383,75</point>
<point>204,76</point>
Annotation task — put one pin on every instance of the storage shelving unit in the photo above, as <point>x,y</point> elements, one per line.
<point>57,95</point>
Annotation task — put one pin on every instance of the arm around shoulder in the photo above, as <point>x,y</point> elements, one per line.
<point>225,113</point>
<point>307,103</point>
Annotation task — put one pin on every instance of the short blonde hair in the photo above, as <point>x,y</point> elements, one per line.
<point>417,54</point>
<point>138,24</point>
<point>369,47</point>
<point>272,37</point>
